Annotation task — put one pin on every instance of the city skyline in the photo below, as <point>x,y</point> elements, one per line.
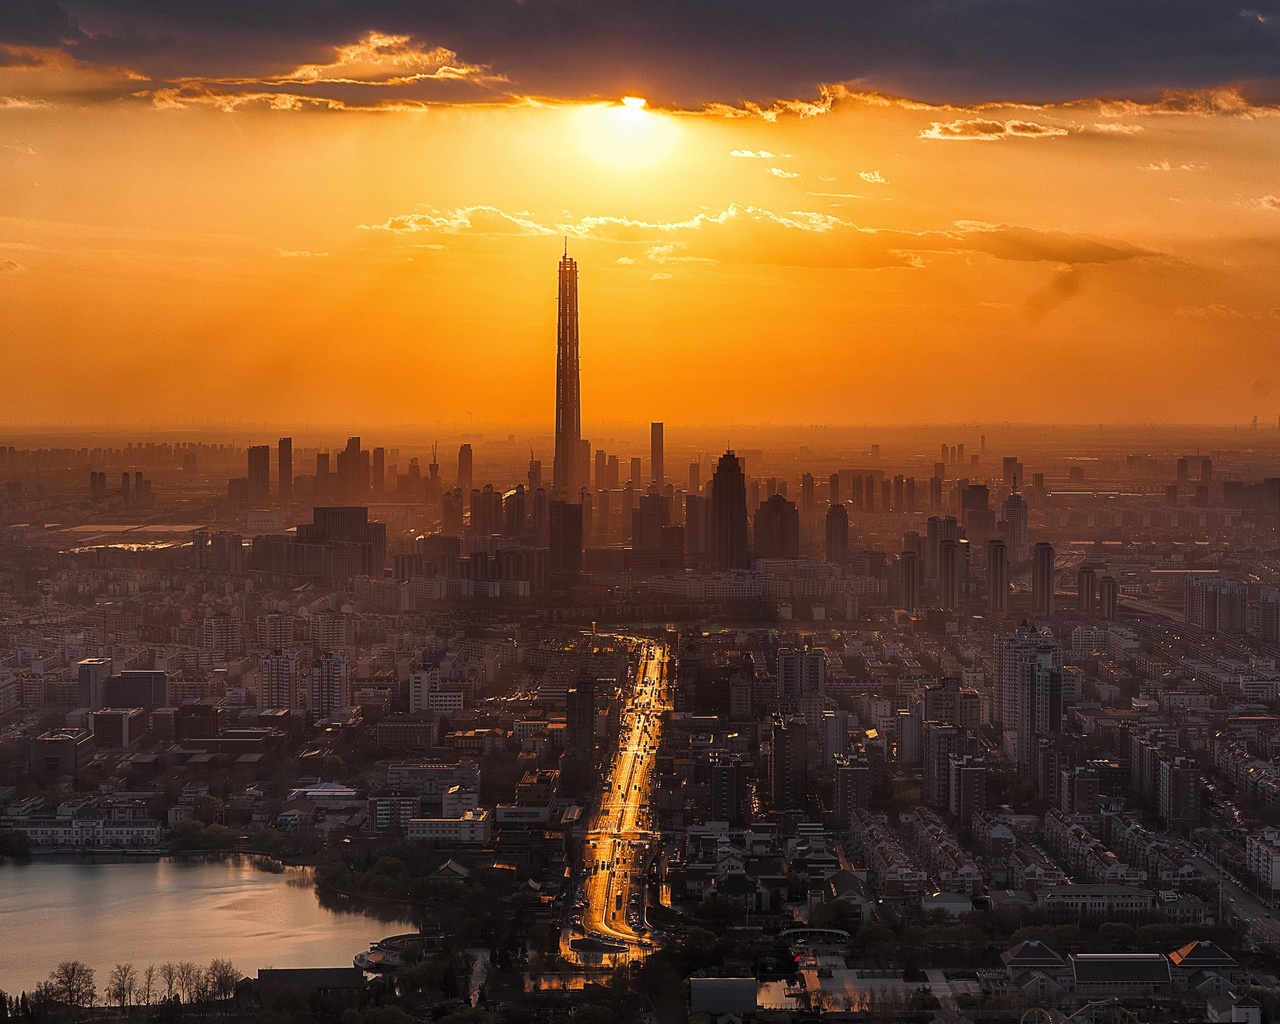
<point>850,591</point>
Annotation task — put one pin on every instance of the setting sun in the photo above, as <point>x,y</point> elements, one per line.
<point>627,135</point>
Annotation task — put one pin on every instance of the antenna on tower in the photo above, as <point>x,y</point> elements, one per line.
<point>566,246</point>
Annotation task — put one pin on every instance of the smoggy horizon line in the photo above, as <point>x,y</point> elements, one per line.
<point>242,433</point>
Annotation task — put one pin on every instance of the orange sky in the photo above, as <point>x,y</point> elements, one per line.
<point>190,255</point>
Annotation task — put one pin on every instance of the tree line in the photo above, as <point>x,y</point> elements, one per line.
<point>74,984</point>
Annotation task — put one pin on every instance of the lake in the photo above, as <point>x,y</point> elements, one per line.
<point>107,910</point>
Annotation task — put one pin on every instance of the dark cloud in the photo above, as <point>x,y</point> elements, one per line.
<point>35,23</point>
<point>698,51</point>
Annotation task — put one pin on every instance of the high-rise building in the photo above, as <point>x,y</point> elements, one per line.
<point>378,477</point>
<point>564,560</point>
<point>1013,526</point>
<point>1108,597</point>
<point>330,683</point>
<point>465,470</point>
<point>568,394</point>
<point>260,474</point>
<point>1214,604</point>
<point>937,529</point>
<point>950,574</point>
<point>1042,579</point>
<point>788,764</point>
<point>909,581</point>
<point>997,577</point>
<point>1086,590</point>
<point>837,533</point>
<point>777,529</point>
<point>1013,651</point>
<point>580,721</point>
<point>800,671</point>
<point>940,741</point>
<point>1039,707</point>
<point>852,791</point>
<point>697,528</point>
<point>279,686</point>
<point>284,460</point>
<point>728,788</point>
<point>656,463</point>
<point>729,515</point>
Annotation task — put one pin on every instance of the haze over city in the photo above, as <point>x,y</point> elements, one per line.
<point>537,511</point>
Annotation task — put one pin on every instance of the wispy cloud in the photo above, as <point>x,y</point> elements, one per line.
<point>1270,202</point>
<point>778,172</point>
<point>798,238</point>
<point>758,154</point>
<point>479,219</point>
<point>983,130</point>
<point>299,254</point>
<point>873,177</point>
<point>10,266</point>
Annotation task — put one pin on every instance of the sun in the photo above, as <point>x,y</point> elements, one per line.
<point>627,135</point>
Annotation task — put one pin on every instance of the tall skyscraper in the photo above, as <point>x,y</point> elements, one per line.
<point>378,480</point>
<point>656,462</point>
<point>909,564</point>
<point>788,764</point>
<point>568,394</point>
<point>837,534</point>
<point>729,515</point>
<point>997,577</point>
<point>1013,526</point>
<point>1042,579</point>
<point>1086,590</point>
<point>777,529</point>
<point>284,449</point>
<point>260,474</point>
<point>465,472</point>
<point>564,560</point>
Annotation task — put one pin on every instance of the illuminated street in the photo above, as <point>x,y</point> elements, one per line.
<point>616,851</point>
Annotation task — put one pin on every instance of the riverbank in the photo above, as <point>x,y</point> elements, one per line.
<point>109,908</point>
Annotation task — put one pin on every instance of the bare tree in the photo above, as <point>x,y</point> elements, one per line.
<point>121,984</point>
<point>169,975</point>
<point>223,977</point>
<point>147,989</point>
<point>189,980</point>
<point>74,983</point>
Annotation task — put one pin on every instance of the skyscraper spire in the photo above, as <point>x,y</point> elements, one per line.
<point>568,396</point>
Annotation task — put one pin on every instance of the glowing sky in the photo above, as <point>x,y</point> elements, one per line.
<point>355,218</point>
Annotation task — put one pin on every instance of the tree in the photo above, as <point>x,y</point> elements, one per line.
<point>169,975</point>
<point>223,978</point>
<point>147,988</point>
<point>189,980</point>
<point>73,982</point>
<point>206,809</point>
<point>121,984</point>
<point>14,842</point>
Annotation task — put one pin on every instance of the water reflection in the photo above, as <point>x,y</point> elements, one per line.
<point>108,909</point>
